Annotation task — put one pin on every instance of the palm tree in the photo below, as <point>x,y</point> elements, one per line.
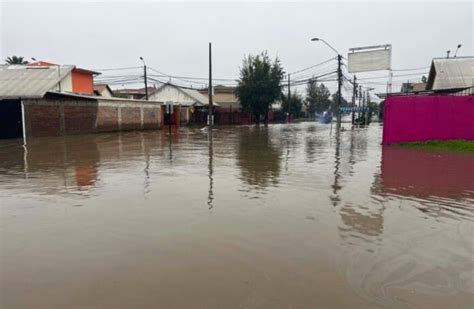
<point>15,60</point>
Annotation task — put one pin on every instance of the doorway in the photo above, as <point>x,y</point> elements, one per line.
<point>11,125</point>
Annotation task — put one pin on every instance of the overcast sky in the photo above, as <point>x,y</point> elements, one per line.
<point>173,37</point>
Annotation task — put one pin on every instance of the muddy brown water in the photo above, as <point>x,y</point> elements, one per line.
<point>287,216</point>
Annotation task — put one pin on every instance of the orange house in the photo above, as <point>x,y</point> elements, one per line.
<point>82,81</point>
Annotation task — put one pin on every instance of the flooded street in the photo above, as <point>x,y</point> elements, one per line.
<point>285,216</point>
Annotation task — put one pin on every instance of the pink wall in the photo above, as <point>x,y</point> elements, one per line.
<point>423,118</point>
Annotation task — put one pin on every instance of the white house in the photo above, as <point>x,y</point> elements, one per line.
<point>188,99</point>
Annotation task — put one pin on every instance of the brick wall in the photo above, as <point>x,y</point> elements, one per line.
<point>54,117</point>
<point>131,118</point>
<point>151,117</point>
<point>42,121</point>
<point>107,119</point>
<point>80,119</point>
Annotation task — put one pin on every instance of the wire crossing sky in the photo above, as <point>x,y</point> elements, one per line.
<point>173,37</point>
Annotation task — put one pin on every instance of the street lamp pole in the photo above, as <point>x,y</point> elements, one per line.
<point>339,79</point>
<point>145,78</point>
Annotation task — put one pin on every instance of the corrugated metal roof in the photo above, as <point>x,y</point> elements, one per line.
<point>198,98</point>
<point>451,73</point>
<point>29,82</point>
<point>96,98</point>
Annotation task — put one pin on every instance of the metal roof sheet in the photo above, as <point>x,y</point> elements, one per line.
<point>29,82</point>
<point>96,98</point>
<point>451,73</point>
<point>196,96</point>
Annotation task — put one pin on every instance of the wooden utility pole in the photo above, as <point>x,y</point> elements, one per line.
<point>354,92</point>
<point>360,100</point>
<point>210,115</point>
<point>145,78</point>
<point>339,85</point>
<point>288,98</point>
<point>366,118</point>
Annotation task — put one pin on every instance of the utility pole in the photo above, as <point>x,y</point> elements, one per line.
<point>211,116</point>
<point>288,98</point>
<point>146,83</point>
<point>145,78</point>
<point>366,118</point>
<point>360,100</point>
<point>354,91</point>
<point>339,84</point>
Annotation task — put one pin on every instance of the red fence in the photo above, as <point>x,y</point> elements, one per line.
<point>423,118</point>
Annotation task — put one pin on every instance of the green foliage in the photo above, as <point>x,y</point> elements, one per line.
<point>381,108</point>
<point>344,102</point>
<point>452,145</point>
<point>292,104</point>
<point>317,98</point>
<point>424,79</point>
<point>259,84</point>
<point>15,60</point>
<point>311,97</point>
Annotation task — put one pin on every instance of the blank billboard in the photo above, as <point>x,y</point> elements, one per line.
<point>365,61</point>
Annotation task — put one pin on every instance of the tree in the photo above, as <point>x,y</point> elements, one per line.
<point>424,79</point>
<point>334,99</point>
<point>311,101</point>
<point>320,96</point>
<point>15,60</point>
<point>259,84</point>
<point>292,104</point>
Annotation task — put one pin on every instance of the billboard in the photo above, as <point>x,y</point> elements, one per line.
<point>370,58</point>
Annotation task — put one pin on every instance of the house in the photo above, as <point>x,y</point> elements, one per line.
<point>192,104</point>
<point>224,96</point>
<point>230,110</point>
<point>135,94</point>
<point>413,87</point>
<point>103,90</point>
<point>53,100</point>
<point>73,79</point>
<point>451,73</point>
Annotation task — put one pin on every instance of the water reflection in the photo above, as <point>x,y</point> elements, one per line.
<point>210,197</point>
<point>344,226</point>
<point>54,167</point>
<point>335,199</point>
<point>258,158</point>
<point>358,224</point>
<point>442,182</point>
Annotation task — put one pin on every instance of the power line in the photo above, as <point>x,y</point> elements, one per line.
<point>117,69</point>
<point>313,66</point>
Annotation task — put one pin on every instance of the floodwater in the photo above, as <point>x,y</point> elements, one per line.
<point>285,216</point>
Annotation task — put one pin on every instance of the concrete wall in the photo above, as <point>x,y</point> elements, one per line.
<point>55,117</point>
<point>424,118</point>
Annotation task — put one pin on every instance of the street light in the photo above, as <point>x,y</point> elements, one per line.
<point>339,78</point>
<point>318,39</point>
<point>144,77</point>
<point>459,46</point>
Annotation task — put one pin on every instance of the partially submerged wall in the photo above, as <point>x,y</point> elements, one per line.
<point>424,118</point>
<point>55,117</point>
